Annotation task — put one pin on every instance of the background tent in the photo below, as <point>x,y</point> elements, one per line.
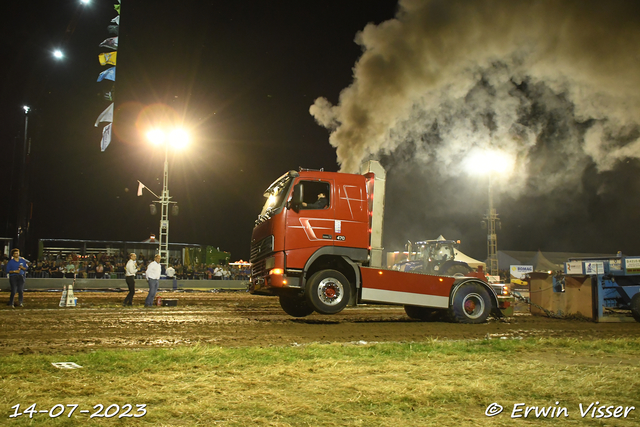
<point>473,263</point>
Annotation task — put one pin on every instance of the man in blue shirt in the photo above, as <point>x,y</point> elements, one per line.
<point>16,268</point>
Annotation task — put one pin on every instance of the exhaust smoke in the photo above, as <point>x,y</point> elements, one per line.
<point>555,84</point>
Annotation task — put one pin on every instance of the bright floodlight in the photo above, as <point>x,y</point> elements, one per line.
<point>85,1</point>
<point>26,109</point>
<point>179,138</point>
<point>58,54</point>
<point>491,161</point>
<point>156,136</point>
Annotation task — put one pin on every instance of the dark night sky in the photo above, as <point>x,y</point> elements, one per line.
<point>242,76</point>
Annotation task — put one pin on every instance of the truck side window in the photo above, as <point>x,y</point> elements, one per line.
<point>316,195</point>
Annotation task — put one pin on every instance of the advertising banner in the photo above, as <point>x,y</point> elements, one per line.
<point>519,271</point>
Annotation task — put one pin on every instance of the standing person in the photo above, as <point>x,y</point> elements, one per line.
<point>171,274</point>
<point>130,277</point>
<point>16,268</point>
<point>154,269</point>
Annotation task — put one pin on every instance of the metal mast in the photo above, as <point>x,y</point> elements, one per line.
<point>492,239</point>
<point>163,249</point>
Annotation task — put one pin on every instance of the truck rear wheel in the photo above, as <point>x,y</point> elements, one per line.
<point>295,306</point>
<point>426,314</point>
<point>328,291</point>
<point>635,307</point>
<point>471,304</point>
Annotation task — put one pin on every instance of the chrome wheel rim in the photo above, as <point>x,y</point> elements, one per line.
<point>473,305</point>
<point>330,291</point>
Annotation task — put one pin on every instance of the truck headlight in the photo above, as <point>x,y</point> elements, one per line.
<point>270,263</point>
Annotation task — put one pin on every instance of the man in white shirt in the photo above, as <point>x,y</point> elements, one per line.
<point>130,271</point>
<point>153,276</point>
<point>171,275</point>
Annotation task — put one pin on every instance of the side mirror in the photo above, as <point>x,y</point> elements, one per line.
<point>296,198</point>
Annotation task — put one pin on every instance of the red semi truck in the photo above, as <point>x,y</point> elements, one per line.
<point>317,245</point>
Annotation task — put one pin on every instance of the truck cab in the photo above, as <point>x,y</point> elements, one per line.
<point>317,245</point>
<point>293,232</point>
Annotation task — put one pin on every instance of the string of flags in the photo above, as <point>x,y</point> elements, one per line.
<point>109,58</point>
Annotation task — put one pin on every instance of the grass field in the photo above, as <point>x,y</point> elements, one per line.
<point>448,383</point>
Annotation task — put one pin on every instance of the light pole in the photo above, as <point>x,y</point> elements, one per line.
<point>490,162</point>
<point>492,238</point>
<point>22,221</point>
<point>179,139</point>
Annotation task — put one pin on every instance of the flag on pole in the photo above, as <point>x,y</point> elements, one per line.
<point>113,29</point>
<point>109,74</point>
<point>140,187</point>
<point>106,137</point>
<point>106,115</point>
<point>108,58</point>
<point>117,8</point>
<point>116,20</point>
<point>111,43</point>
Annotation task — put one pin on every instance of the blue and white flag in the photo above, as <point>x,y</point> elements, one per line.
<point>116,20</point>
<point>106,115</point>
<point>106,137</point>
<point>109,74</point>
<point>111,43</point>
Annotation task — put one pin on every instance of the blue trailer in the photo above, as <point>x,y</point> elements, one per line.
<point>615,285</point>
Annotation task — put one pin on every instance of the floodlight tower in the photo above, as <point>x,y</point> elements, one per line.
<point>178,138</point>
<point>489,162</point>
<point>23,221</point>
<point>491,219</point>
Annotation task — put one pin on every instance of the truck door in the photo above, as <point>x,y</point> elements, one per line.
<point>313,226</point>
<point>351,214</point>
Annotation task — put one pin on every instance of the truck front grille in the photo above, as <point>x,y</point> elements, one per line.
<point>258,269</point>
<point>262,248</point>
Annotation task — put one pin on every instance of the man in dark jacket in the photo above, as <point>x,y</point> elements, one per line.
<point>16,268</point>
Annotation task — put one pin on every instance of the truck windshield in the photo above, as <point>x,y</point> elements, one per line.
<point>276,194</point>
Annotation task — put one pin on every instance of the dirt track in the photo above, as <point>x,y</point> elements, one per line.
<point>240,319</point>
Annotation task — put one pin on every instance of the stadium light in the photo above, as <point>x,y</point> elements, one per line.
<point>178,139</point>
<point>487,161</point>
<point>490,162</point>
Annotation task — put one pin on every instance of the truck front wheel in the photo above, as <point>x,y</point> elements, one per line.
<point>295,306</point>
<point>328,291</point>
<point>471,304</point>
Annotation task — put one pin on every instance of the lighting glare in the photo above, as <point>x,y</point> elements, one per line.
<point>179,138</point>
<point>26,109</point>
<point>58,54</point>
<point>85,1</point>
<point>156,136</point>
<point>491,161</point>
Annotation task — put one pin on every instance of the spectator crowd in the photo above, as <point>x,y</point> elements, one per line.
<point>109,266</point>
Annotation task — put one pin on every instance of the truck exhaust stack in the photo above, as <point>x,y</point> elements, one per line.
<point>375,187</point>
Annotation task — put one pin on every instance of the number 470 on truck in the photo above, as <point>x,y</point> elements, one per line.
<point>317,245</point>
